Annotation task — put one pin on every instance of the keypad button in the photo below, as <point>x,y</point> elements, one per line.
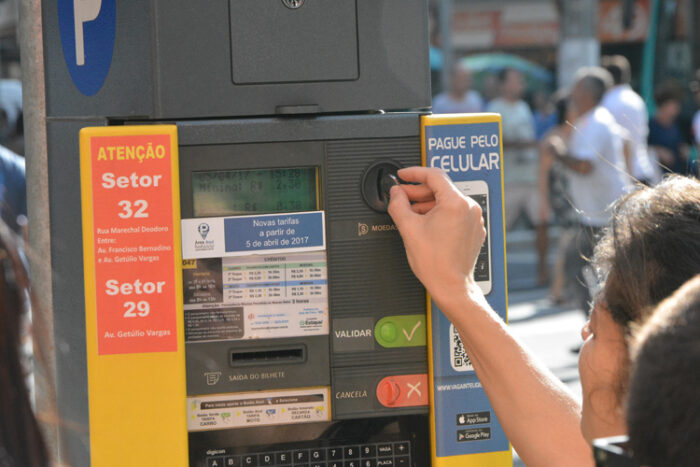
<point>267,459</point>
<point>335,453</point>
<point>351,452</point>
<point>215,462</point>
<point>368,463</point>
<point>401,449</point>
<point>388,462</point>
<point>352,463</point>
<point>250,460</point>
<point>368,451</point>
<point>284,458</point>
<point>319,464</point>
<point>385,450</point>
<point>317,455</point>
<point>232,461</point>
<point>335,464</point>
<point>301,457</point>
<point>403,461</point>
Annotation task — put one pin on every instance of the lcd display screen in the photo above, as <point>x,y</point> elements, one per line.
<point>241,192</point>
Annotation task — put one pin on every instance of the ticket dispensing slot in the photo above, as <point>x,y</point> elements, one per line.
<point>267,356</point>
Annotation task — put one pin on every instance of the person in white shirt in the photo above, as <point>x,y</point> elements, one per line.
<point>460,98</point>
<point>595,161</point>
<point>519,148</point>
<point>630,112</point>
<point>520,162</point>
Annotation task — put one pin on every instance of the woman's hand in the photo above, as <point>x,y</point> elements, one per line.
<point>442,231</point>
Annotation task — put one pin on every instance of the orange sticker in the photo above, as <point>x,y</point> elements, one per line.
<point>134,248</point>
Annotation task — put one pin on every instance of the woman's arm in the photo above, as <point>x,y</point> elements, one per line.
<point>539,415</point>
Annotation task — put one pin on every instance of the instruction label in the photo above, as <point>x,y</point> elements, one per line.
<point>256,297</point>
<point>258,408</point>
<point>128,189</point>
<point>244,235</point>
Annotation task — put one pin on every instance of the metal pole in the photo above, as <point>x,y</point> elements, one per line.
<point>649,60</point>
<point>579,45</point>
<point>34,99</point>
<point>446,39</point>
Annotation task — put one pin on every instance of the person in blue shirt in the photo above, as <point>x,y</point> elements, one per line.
<point>665,136</point>
<point>13,189</point>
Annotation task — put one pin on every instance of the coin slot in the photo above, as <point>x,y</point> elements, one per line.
<point>377,182</point>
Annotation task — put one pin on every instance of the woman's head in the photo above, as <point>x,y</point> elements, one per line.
<point>651,248</point>
<point>663,413</point>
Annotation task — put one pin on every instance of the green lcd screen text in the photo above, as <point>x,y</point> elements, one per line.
<point>240,192</point>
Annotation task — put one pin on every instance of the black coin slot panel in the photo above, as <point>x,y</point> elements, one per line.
<point>377,182</point>
<point>268,356</point>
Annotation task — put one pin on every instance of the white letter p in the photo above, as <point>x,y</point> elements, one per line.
<point>84,11</point>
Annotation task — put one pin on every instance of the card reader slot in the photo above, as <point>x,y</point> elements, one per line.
<point>267,356</point>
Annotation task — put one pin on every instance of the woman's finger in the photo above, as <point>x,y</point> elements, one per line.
<point>423,208</point>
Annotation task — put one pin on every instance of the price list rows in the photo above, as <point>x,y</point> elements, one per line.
<point>284,280</point>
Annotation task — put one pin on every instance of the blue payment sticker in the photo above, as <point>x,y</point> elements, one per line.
<point>87,29</point>
<point>469,151</point>
<point>301,231</point>
<point>217,237</point>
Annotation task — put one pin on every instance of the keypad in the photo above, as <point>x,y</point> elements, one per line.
<point>386,454</point>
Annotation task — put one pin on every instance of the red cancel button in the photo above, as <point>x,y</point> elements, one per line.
<point>403,390</point>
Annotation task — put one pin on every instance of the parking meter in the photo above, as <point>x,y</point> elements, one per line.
<point>239,295</point>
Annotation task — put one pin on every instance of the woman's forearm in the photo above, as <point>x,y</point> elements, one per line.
<point>537,412</point>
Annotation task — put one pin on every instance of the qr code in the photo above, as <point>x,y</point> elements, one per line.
<point>458,356</point>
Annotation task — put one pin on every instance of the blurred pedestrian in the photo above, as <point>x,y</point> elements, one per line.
<point>665,136</point>
<point>460,98</point>
<point>520,166</point>
<point>630,112</point>
<point>695,89</point>
<point>663,412</point>
<point>490,87</point>
<point>13,189</point>
<point>519,153</point>
<point>21,443</point>
<point>11,115</point>
<point>596,171</point>
<point>555,205</point>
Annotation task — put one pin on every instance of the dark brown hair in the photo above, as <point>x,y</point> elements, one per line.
<point>21,443</point>
<point>663,412</point>
<point>668,91</point>
<point>651,248</point>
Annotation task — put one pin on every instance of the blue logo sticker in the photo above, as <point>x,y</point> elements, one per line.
<point>87,34</point>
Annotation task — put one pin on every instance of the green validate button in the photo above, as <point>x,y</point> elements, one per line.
<point>401,331</point>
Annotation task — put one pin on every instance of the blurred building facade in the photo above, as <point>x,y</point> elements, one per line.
<point>534,29</point>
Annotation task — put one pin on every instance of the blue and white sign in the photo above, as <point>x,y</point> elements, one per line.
<point>468,149</point>
<point>218,237</point>
<point>87,30</point>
